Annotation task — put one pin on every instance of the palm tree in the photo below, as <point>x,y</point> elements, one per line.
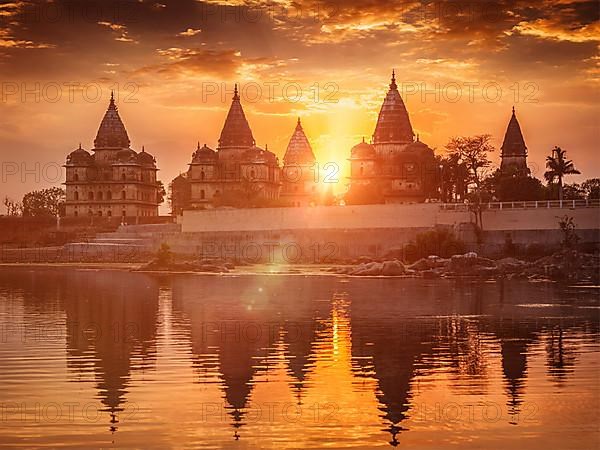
<point>558,166</point>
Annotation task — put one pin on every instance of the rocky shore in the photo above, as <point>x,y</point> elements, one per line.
<point>567,266</point>
<point>202,265</point>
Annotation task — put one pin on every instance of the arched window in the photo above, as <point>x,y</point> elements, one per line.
<point>252,174</point>
<point>123,177</point>
<point>109,213</point>
<point>362,170</point>
<point>123,195</point>
<point>90,195</point>
<point>76,213</point>
<point>90,213</point>
<point>202,194</point>
<point>76,195</point>
<point>76,177</point>
<point>99,213</point>
<point>108,195</point>
<point>123,213</point>
<point>99,196</point>
<point>202,175</point>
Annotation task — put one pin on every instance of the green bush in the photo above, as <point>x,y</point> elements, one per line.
<point>441,242</point>
<point>164,257</point>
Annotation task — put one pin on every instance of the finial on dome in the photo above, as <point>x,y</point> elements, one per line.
<point>111,104</point>
<point>266,147</point>
<point>393,84</point>
<point>513,110</point>
<point>80,146</point>
<point>363,139</point>
<point>143,149</point>
<point>235,92</point>
<point>198,146</point>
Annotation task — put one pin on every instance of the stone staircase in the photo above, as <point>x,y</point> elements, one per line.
<point>128,242</point>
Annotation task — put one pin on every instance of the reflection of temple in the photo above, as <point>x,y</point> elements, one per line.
<point>113,318</point>
<point>390,351</point>
<point>515,338</point>
<point>228,343</point>
<point>416,331</point>
<point>225,337</point>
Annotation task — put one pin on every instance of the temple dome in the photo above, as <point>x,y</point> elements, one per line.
<point>514,144</point>
<point>236,131</point>
<point>363,151</point>
<point>112,133</point>
<point>417,146</point>
<point>127,156</point>
<point>145,158</point>
<point>258,155</point>
<point>393,123</point>
<point>204,154</point>
<point>299,150</point>
<point>79,156</point>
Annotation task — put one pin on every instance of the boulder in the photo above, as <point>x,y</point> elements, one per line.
<point>368,269</point>
<point>392,268</point>
<point>421,264</point>
<point>511,265</point>
<point>434,261</point>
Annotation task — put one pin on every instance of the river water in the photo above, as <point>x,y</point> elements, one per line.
<point>116,359</point>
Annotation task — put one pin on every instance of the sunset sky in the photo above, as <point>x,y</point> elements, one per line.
<point>460,67</point>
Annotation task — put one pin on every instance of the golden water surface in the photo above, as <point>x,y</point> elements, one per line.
<point>107,359</point>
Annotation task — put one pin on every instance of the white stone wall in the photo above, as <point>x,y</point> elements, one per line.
<point>421,215</point>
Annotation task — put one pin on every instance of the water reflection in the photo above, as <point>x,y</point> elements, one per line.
<point>347,362</point>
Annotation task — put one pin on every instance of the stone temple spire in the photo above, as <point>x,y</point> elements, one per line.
<point>393,124</point>
<point>514,144</point>
<point>112,133</point>
<point>514,150</point>
<point>236,131</point>
<point>299,150</point>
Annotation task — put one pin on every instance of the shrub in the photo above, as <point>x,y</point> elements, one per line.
<point>164,256</point>
<point>440,241</point>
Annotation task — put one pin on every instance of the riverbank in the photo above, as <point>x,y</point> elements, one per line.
<point>568,266</point>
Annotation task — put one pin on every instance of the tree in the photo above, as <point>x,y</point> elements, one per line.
<point>453,178</point>
<point>13,208</point>
<point>567,226</point>
<point>558,167</point>
<point>591,188</point>
<point>473,153</point>
<point>515,187</point>
<point>161,192</point>
<point>46,202</point>
<point>573,192</point>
